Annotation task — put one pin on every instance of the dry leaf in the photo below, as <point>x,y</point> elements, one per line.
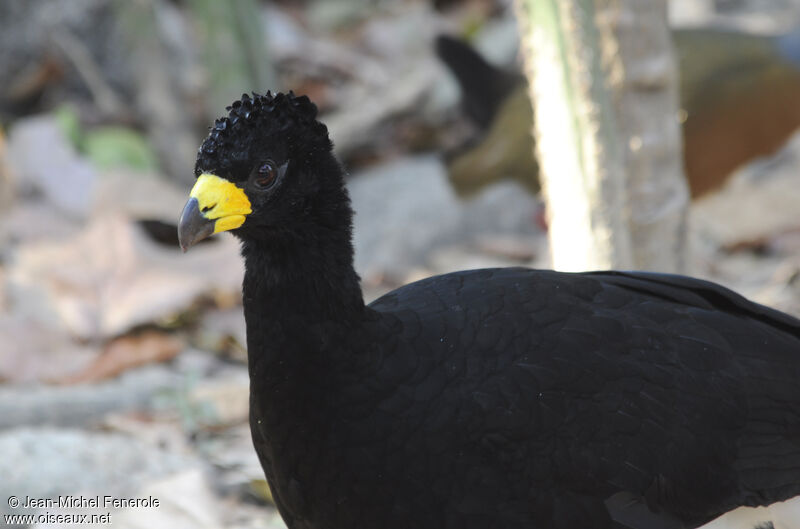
<point>111,277</point>
<point>127,352</point>
<point>63,177</point>
<point>260,489</point>
<point>139,195</point>
<point>33,351</point>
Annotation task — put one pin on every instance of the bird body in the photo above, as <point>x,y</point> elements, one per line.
<point>498,398</point>
<point>738,95</point>
<point>427,409</point>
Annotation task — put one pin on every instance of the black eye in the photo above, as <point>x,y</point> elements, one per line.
<point>266,174</point>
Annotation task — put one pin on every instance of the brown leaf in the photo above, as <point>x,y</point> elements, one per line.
<point>124,353</point>
<point>34,351</point>
<point>111,278</point>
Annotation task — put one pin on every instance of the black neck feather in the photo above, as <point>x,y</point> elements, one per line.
<point>300,288</point>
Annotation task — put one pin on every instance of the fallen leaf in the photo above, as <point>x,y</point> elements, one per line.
<point>127,352</point>
<point>109,147</point>
<point>138,194</point>
<point>36,220</point>
<point>63,177</point>
<point>112,277</point>
<point>34,351</point>
<point>260,489</point>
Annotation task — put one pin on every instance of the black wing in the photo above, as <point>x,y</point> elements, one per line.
<point>662,399</point>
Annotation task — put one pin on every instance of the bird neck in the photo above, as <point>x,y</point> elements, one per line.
<point>300,290</point>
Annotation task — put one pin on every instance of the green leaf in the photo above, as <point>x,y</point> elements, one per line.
<point>109,147</point>
<point>67,120</point>
<point>260,488</point>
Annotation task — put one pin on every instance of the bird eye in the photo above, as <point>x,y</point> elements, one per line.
<point>266,175</point>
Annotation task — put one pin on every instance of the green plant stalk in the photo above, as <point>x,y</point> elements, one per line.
<point>579,148</point>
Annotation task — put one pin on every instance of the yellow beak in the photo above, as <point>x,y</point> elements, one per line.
<point>215,205</point>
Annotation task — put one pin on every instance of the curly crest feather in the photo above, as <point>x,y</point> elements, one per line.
<point>296,115</point>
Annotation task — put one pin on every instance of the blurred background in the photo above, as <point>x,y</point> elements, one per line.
<point>122,360</point>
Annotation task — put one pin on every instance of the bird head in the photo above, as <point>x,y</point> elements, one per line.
<point>262,170</point>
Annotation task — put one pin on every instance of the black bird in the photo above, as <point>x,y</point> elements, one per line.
<point>498,398</point>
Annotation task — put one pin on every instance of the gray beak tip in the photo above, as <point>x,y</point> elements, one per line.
<point>193,226</point>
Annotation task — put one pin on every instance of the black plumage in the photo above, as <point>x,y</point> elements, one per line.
<point>498,398</point>
<point>484,86</point>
